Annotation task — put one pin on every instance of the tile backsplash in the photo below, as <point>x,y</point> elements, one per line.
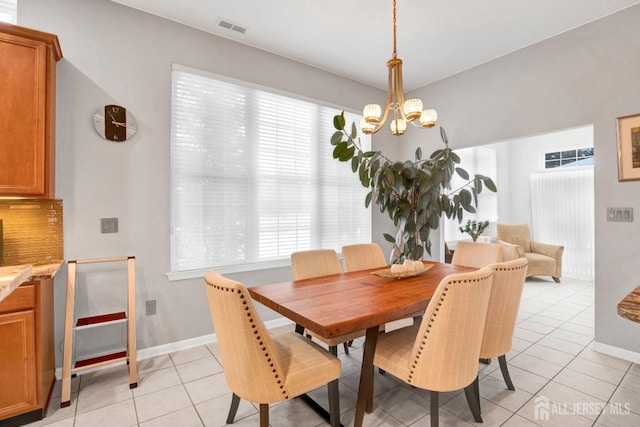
<point>32,231</point>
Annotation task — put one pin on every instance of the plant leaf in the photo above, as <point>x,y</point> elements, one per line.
<point>347,154</point>
<point>389,238</point>
<point>336,137</point>
<point>490,185</point>
<point>462,173</point>
<point>443,135</point>
<point>337,151</point>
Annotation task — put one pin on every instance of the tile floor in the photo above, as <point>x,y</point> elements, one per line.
<point>551,364</point>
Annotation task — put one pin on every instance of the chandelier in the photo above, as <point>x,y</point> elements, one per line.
<point>403,111</point>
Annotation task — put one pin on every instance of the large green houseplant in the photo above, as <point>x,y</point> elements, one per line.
<point>415,193</point>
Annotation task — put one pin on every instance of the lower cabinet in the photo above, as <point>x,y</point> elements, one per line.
<point>27,351</point>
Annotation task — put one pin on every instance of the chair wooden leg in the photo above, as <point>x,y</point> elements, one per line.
<point>264,415</point>
<point>505,372</point>
<point>346,347</point>
<point>333,349</point>
<point>556,279</point>
<point>434,408</point>
<point>473,399</point>
<point>334,403</point>
<point>235,401</point>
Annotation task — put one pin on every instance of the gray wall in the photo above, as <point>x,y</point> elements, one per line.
<point>116,54</point>
<point>586,76</point>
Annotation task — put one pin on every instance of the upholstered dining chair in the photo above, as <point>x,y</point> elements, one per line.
<point>318,263</point>
<point>260,367</point>
<point>363,256</point>
<point>506,291</point>
<point>441,354</point>
<point>476,254</point>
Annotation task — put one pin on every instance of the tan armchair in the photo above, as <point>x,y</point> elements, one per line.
<point>544,259</point>
<point>441,354</point>
<point>260,367</point>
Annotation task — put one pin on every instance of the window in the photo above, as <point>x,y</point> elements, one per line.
<point>483,161</point>
<point>568,158</point>
<point>253,177</point>
<point>8,11</point>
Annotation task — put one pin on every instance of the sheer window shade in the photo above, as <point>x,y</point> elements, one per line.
<point>475,160</point>
<point>253,178</point>
<point>562,214</point>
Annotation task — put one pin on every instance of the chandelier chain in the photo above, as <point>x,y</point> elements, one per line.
<point>395,51</point>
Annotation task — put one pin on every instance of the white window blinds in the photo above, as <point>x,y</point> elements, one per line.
<point>253,178</point>
<point>8,11</point>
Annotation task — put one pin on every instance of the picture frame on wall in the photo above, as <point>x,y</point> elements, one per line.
<point>629,148</point>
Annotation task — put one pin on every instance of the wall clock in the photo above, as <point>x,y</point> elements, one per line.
<point>114,123</point>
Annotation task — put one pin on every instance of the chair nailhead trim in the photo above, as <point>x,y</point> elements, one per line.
<point>274,371</point>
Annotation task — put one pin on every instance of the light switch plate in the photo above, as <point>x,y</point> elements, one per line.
<point>620,214</point>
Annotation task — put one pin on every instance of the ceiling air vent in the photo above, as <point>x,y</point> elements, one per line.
<point>231,26</point>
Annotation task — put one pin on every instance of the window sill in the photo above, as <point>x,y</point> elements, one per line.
<point>240,268</point>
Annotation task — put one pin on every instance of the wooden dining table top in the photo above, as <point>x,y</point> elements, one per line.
<point>348,302</point>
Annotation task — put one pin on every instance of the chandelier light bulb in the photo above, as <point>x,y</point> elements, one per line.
<point>366,127</point>
<point>412,108</point>
<point>372,113</point>
<point>428,118</point>
<point>398,127</point>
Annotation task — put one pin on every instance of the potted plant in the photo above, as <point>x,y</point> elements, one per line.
<point>415,193</point>
<point>474,229</point>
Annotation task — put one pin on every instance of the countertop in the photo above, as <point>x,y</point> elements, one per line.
<point>629,306</point>
<point>14,275</point>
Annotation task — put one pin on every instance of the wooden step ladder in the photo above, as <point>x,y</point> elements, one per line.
<point>129,355</point>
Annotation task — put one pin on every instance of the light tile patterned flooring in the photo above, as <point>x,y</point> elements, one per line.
<point>551,359</point>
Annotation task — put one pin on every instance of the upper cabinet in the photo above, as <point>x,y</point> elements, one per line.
<point>27,111</point>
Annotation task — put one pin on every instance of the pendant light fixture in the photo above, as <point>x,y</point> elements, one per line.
<point>402,111</point>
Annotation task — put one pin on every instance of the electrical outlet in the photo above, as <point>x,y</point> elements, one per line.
<point>151,307</point>
<point>108,225</point>
<point>620,214</point>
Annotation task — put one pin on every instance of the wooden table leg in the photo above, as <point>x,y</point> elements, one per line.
<point>365,389</point>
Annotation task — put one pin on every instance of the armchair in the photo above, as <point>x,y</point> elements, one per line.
<point>544,259</point>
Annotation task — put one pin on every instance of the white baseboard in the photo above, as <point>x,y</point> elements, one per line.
<point>161,350</point>
<point>618,352</point>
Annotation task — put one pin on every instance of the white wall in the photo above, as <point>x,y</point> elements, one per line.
<point>114,54</point>
<point>519,158</point>
<point>586,76</point>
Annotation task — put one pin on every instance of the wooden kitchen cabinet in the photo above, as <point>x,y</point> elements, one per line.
<point>27,115</point>
<point>27,351</point>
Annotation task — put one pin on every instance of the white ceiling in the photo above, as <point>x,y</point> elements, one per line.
<point>354,38</point>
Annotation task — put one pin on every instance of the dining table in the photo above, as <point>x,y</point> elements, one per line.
<point>339,304</point>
